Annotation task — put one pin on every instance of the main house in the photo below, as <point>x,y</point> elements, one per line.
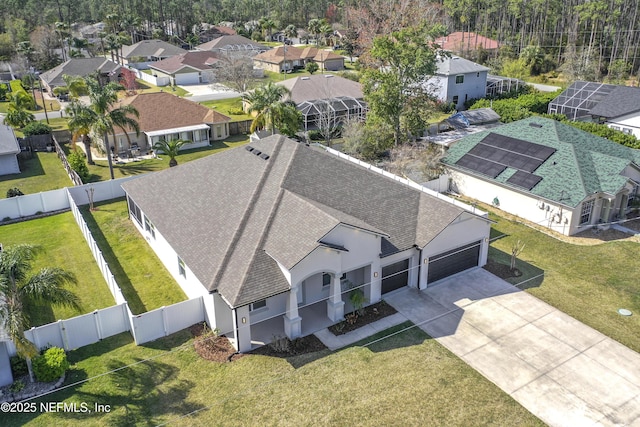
<point>616,106</point>
<point>166,116</point>
<point>108,71</point>
<point>547,172</point>
<point>458,80</point>
<point>275,235</point>
<point>9,150</point>
<point>321,94</point>
<point>287,58</point>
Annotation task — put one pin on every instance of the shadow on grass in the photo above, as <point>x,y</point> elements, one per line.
<point>405,334</point>
<point>499,263</point>
<point>29,167</point>
<point>171,341</point>
<point>131,295</point>
<point>39,314</point>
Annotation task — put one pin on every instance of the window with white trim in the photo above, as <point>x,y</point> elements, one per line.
<point>134,210</point>
<point>326,280</point>
<point>258,305</point>
<point>148,226</point>
<point>585,212</point>
<point>182,269</point>
<point>459,79</point>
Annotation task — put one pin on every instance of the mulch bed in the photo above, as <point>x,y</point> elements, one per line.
<point>303,345</point>
<point>503,271</point>
<point>212,347</point>
<point>372,313</point>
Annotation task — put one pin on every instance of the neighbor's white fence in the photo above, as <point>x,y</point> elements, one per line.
<point>167,320</point>
<point>407,182</point>
<point>149,78</point>
<point>31,204</point>
<point>82,330</point>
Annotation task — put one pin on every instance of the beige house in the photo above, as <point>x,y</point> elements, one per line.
<point>286,58</point>
<point>186,68</point>
<point>166,116</point>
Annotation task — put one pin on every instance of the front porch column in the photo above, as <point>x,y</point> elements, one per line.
<point>335,305</point>
<point>292,321</point>
<point>375,277</point>
<point>243,339</point>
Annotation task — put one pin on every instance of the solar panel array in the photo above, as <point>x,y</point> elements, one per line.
<point>494,153</point>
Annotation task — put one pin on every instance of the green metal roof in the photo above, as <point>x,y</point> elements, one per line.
<point>583,163</point>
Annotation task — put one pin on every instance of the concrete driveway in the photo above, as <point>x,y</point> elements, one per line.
<point>561,370</point>
<point>205,92</point>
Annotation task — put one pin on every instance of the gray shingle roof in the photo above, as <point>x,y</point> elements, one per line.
<point>621,101</point>
<point>81,67</point>
<point>458,65</point>
<point>230,216</point>
<point>321,86</point>
<point>8,142</point>
<point>147,48</point>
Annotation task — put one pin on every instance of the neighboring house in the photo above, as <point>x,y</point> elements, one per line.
<point>108,71</point>
<point>232,43</point>
<point>286,58</point>
<point>166,116</point>
<point>276,234</point>
<point>458,80</point>
<point>141,54</point>
<point>616,106</point>
<point>462,42</point>
<point>322,94</point>
<point>547,172</point>
<point>207,32</point>
<point>186,68</point>
<point>9,150</point>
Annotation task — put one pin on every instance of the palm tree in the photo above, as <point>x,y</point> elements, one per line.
<point>17,288</point>
<point>76,85</point>
<point>291,31</point>
<point>17,114</point>
<point>81,119</point>
<point>102,116</point>
<point>170,148</point>
<point>265,101</point>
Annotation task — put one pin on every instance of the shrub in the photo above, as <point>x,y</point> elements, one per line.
<point>236,111</point>
<point>18,366</point>
<point>17,386</point>
<point>280,344</point>
<point>36,128</point>
<point>51,365</point>
<point>13,192</point>
<point>78,164</point>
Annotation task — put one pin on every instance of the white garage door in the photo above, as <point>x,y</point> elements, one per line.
<point>187,79</point>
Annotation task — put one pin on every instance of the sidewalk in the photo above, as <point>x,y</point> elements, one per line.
<point>334,342</point>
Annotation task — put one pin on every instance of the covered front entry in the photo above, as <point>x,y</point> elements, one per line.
<point>395,276</point>
<point>454,261</point>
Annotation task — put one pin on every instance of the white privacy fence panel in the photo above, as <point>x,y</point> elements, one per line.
<point>81,330</point>
<point>31,204</point>
<point>104,190</point>
<point>164,321</point>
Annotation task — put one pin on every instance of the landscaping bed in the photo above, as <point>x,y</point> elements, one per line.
<point>371,314</point>
<point>503,271</point>
<point>287,348</point>
<point>211,346</point>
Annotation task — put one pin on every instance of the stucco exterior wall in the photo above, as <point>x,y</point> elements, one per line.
<point>9,164</point>
<point>630,121</point>
<point>543,212</point>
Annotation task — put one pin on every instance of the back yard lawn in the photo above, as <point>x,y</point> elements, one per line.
<point>229,107</point>
<point>406,379</point>
<point>144,281</point>
<point>588,282</point>
<point>62,246</point>
<point>42,172</point>
<point>100,171</point>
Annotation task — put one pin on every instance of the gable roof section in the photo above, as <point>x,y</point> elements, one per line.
<point>621,101</point>
<point>197,60</point>
<point>233,236</point>
<point>146,48</point>
<point>581,165</point>
<point>457,65</point>
<point>278,54</point>
<point>231,42</point>
<point>81,67</point>
<point>596,99</point>
<point>321,86</point>
<point>162,110</point>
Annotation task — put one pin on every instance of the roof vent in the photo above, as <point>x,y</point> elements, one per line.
<point>249,149</point>
<point>535,125</point>
<point>257,152</point>
<point>264,156</point>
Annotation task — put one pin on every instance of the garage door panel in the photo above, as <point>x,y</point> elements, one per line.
<point>454,261</point>
<point>395,276</point>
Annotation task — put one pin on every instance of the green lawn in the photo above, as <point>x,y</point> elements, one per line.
<point>62,246</point>
<point>407,379</point>
<point>100,171</point>
<point>589,283</point>
<point>225,105</point>
<point>42,172</point>
<point>144,281</point>
<point>146,87</point>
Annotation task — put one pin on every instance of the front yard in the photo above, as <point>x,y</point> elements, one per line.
<point>406,379</point>
<point>144,281</point>
<point>62,246</point>
<point>42,172</point>
<point>589,282</point>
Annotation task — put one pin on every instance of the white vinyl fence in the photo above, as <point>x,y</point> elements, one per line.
<point>167,320</point>
<point>32,204</point>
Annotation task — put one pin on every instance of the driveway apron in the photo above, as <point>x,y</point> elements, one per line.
<point>562,371</point>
